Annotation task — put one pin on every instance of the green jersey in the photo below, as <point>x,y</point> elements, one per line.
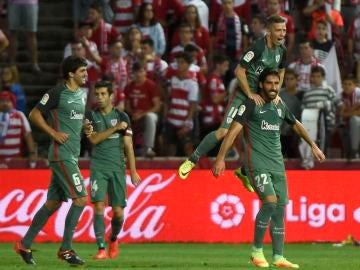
<point>108,155</point>
<point>258,58</point>
<point>65,113</point>
<point>262,134</point>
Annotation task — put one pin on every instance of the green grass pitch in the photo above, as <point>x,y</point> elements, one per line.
<point>186,257</point>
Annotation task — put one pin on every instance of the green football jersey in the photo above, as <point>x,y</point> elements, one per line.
<point>64,110</point>
<point>262,134</point>
<point>109,154</point>
<point>258,58</point>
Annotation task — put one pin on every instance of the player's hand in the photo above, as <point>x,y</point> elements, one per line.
<point>60,137</point>
<point>135,179</point>
<point>88,128</point>
<point>318,154</point>
<point>218,168</point>
<point>257,99</point>
<point>121,126</point>
<point>277,100</point>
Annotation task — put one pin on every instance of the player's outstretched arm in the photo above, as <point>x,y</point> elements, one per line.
<point>219,166</point>
<point>301,131</point>
<point>129,151</point>
<point>98,137</point>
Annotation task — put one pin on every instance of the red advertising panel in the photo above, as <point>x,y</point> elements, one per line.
<point>324,206</point>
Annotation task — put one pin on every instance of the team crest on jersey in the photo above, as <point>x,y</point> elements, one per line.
<point>248,56</point>
<point>44,99</point>
<point>113,122</point>
<point>277,58</point>
<point>229,120</point>
<point>79,188</point>
<point>241,110</point>
<point>279,112</point>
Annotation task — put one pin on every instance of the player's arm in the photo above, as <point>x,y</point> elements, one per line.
<point>130,155</point>
<point>98,137</point>
<point>301,131</point>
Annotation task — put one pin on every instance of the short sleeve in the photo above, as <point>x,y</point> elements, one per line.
<point>49,101</point>
<point>245,111</point>
<point>123,117</point>
<point>253,53</point>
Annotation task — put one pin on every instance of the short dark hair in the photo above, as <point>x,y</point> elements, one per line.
<point>190,48</point>
<point>71,64</point>
<point>274,19</point>
<point>266,73</point>
<point>218,59</point>
<point>318,69</point>
<point>148,41</point>
<point>350,77</point>
<point>260,18</point>
<point>184,55</point>
<point>106,84</point>
<point>137,66</point>
<point>292,71</point>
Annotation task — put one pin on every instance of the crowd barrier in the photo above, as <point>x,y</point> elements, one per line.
<point>323,206</point>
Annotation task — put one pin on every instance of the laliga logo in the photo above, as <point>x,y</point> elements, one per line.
<point>227,211</point>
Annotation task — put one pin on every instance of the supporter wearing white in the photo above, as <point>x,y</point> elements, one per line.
<point>125,13</point>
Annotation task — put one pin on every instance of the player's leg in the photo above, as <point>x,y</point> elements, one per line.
<point>277,224</point>
<point>99,185</point>
<point>264,189</point>
<point>72,183</point>
<point>54,198</point>
<point>117,199</point>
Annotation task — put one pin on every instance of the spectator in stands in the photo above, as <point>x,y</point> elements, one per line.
<point>198,57</point>
<point>274,8</point>
<point>114,66</point>
<point>231,36</point>
<point>349,111</point>
<point>291,96</point>
<point>162,9</point>
<point>321,44</point>
<point>4,42</point>
<point>24,15</point>
<point>132,44</point>
<point>143,103</point>
<point>200,33</point>
<point>322,98</point>
<point>10,81</point>
<point>154,65</point>
<point>150,27</point>
<point>103,32</point>
<point>354,42</point>
<point>201,8</point>
<point>304,64</point>
<point>126,11</point>
<point>81,10</point>
<point>83,34</point>
<point>180,108</point>
<point>257,28</point>
<point>214,96</point>
<point>16,139</point>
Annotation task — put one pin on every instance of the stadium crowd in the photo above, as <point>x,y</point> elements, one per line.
<point>172,67</point>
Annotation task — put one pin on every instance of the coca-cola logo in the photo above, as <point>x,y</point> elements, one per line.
<point>144,220</point>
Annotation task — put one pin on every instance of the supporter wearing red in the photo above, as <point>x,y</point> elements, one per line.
<point>274,8</point>
<point>104,33</point>
<point>201,34</point>
<point>213,101</point>
<point>180,108</point>
<point>303,65</point>
<point>143,103</point>
<point>132,44</point>
<point>150,27</point>
<point>114,66</point>
<point>154,65</point>
<point>354,42</point>
<point>15,133</point>
<point>125,12</point>
<point>162,7</point>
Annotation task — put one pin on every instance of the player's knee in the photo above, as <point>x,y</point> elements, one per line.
<point>99,208</point>
<point>270,207</point>
<point>53,205</point>
<point>118,213</point>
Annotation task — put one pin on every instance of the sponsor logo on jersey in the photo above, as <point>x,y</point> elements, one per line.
<point>261,111</point>
<point>266,126</point>
<point>44,99</point>
<point>242,110</point>
<point>277,58</point>
<point>279,112</point>
<point>113,122</point>
<point>76,116</point>
<point>248,56</point>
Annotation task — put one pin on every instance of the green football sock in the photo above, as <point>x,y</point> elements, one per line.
<point>208,143</point>
<point>39,221</point>
<point>277,230</point>
<point>116,225</point>
<point>262,222</point>
<point>99,229</point>
<point>71,221</point>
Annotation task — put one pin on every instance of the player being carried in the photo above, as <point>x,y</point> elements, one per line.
<point>267,52</point>
<point>112,135</point>
<point>265,163</point>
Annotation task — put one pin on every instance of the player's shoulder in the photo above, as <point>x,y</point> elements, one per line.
<point>259,45</point>
<point>122,116</point>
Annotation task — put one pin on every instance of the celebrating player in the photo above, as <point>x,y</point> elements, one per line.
<point>265,164</point>
<point>64,106</point>
<point>112,136</point>
<point>266,53</point>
